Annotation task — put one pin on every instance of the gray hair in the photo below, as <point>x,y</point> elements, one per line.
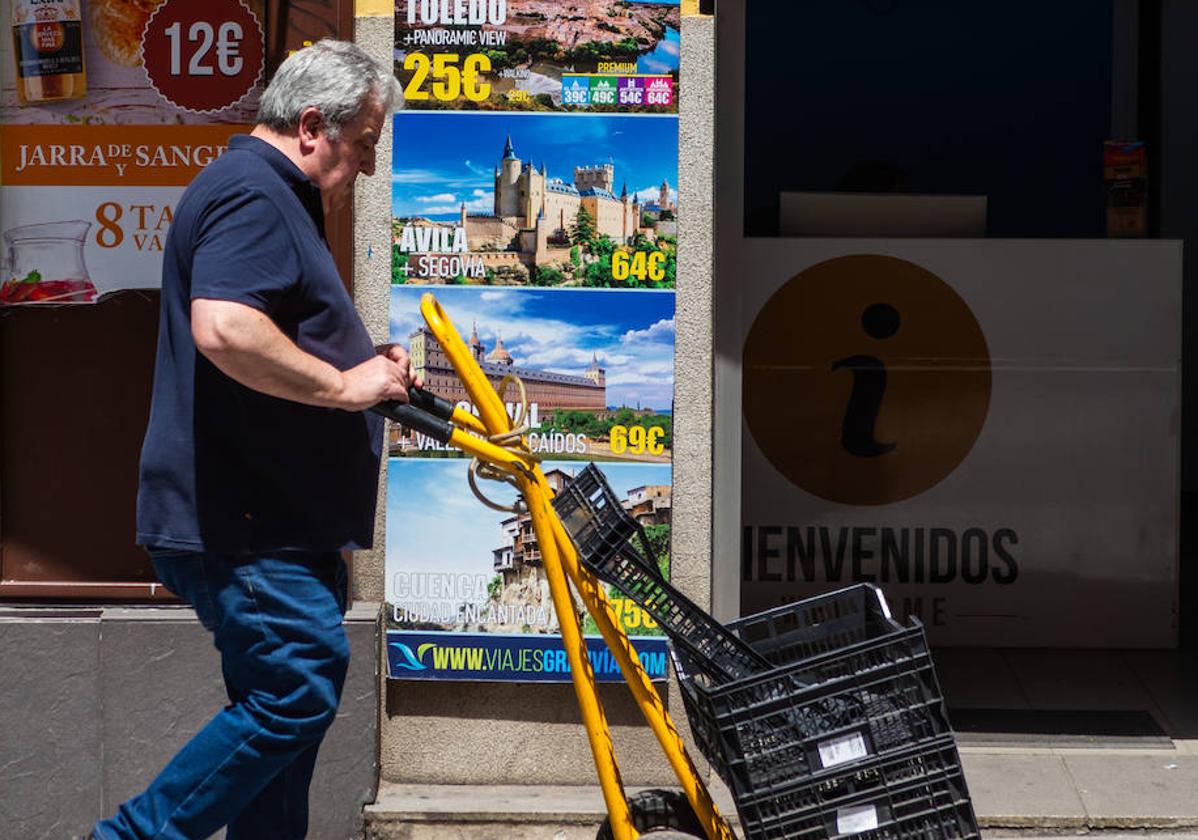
<point>336,77</point>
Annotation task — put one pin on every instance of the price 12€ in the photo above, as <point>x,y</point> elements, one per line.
<point>448,81</point>
<point>203,57</point>
<point>228,48</point>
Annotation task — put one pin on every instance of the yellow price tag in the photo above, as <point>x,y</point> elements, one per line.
<point>639,265</point>
<point>637,440</point>
<point>449,82</point>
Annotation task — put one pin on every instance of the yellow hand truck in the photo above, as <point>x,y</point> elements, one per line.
<point>498,445</point>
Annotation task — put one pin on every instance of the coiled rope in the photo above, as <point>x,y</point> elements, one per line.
<point>512,441</point>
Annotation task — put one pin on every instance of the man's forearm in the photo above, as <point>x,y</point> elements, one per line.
<point>248,347</point>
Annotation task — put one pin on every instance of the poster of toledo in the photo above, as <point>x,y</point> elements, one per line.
<point>539,55</point>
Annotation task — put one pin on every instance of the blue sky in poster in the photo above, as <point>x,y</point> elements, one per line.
<point>665,57</point>
<point>428,499</point>
<point>632,332</point>
<point>444,158</point>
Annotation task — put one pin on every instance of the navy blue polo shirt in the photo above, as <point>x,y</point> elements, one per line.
<point>223,467</point>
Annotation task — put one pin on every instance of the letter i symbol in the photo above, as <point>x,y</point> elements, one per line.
<point>880,321</point>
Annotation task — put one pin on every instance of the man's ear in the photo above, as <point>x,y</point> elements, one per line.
<point>311,127</point>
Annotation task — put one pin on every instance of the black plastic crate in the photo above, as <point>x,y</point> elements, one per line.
<point>853,679</point>
<point>600,529</point>
<point>597,522</point>
<point>766,732</point>
<point>919,792</point>
<point>815,626</point>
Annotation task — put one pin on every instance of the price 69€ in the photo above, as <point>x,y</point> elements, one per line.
<point>637,440</point>
<point>448,81</point>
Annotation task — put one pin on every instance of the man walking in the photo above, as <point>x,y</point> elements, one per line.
<point>259,465</point>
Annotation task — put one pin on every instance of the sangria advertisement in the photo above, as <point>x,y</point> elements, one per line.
<point>108,109</point>
<point>539,55</point>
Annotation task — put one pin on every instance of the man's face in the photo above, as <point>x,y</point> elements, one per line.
<point>338,162</point>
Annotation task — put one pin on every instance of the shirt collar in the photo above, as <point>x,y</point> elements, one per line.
<point>299,183</point>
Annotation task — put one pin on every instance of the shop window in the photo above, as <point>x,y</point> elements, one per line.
<point>991,118</point>
<point>75,386</point>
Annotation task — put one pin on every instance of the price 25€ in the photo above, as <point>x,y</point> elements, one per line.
<point>440,77</point>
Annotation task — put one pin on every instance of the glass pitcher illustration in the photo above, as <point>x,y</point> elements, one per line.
<point>45,264</point>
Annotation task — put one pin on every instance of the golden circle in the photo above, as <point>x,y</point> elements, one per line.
<point>916,399</point>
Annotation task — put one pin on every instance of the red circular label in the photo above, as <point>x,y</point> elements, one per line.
<point>48,37</point>
<point>203,55</point>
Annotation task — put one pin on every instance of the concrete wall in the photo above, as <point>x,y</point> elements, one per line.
<point>480,733</point>
<point>97,700</point>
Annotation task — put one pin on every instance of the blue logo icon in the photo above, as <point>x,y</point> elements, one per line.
<point>409,661</point>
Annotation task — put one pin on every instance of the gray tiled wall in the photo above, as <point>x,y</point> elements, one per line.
<point>93,702</point>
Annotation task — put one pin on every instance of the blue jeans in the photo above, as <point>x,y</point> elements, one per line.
<point>276,621</point>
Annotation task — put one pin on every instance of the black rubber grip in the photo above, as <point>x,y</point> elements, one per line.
<point>430,402</point>
<point>412,417</point>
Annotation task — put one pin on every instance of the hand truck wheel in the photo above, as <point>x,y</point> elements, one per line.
<point>665,814</point>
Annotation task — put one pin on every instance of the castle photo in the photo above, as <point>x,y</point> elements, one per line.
<point>590,363</point>
<point>586,392</point>
<point>552,208</point>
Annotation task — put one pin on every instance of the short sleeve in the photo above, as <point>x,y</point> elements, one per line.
<point>244,252</point>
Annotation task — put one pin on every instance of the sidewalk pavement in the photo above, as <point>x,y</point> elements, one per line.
<point>1111,782</point>
<point>1017,792</point>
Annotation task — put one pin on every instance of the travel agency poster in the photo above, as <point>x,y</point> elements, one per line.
<point>548,233</point>
<point>539,55</point>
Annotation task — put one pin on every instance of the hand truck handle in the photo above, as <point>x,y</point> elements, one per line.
<point>427,401</point>
<point>425,412</point>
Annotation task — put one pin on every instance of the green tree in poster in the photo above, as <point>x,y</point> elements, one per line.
<point>546,275</point>
<point>576,422</point>
<point>500,60</point>
<point>624,417</point>
<point>598,273</point>
<point>660,421</point>
<point>659,546</point>
<point>582,232</point>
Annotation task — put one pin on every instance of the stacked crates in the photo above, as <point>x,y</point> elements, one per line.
<point>824,717</point>
<point>845,736</point>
